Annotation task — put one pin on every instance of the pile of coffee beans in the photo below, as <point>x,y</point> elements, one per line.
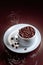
<point>27,32</point>
<point>14,43</point>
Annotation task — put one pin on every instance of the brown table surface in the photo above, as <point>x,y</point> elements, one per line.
<point>9,17</point>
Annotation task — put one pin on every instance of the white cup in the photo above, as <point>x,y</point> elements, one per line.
<point>26,41</point>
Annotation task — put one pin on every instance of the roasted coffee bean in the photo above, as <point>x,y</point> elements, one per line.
<point>15,43</point>
<point>12,38</point>
<point>16,38</point>
<point>27,32</point>
<point>25,49</point>
<point>16,47</point>
<point>12,45</point>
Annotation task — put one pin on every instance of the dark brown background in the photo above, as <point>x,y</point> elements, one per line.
<point>24,12</point>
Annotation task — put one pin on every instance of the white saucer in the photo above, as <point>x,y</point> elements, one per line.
<point>13,30</point>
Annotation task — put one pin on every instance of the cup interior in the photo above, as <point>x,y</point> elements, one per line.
<point>23,29</point>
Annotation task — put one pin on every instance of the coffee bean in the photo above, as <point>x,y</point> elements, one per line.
<point>16,47</point>
<point>12,38</point>
<point>12,45</point>
<point>16,38</point>
<point>25,49</point>
<point>17,43</point>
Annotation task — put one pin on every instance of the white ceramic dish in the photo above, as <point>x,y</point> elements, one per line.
<point>13,30</point>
